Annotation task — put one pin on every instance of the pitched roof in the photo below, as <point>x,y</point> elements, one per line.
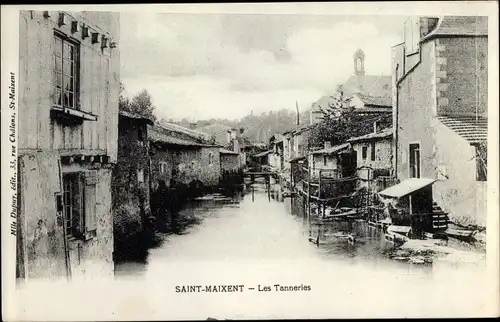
<point>180,129</point>
<point>224,151</point>
<point>155,134</point>
<point>375,100</point>
<point>459,26</point>
<point>136,116</point>
<point>474,131</point>
<point>369,85</point>
<point>333,149</point>
<point>372,136</point>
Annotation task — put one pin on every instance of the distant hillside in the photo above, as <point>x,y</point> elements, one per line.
<point>217,130</point>
<point>257,128</point>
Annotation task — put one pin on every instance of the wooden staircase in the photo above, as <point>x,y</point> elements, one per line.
<point>439,217</point>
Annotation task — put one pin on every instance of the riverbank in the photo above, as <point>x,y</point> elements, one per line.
<point>429,250</point>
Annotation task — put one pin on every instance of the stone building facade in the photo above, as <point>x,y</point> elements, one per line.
<point>181,160</point>
<point>440,98</point>
<point>68,101</point>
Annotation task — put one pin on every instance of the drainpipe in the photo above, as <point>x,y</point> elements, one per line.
<point>396,127</point>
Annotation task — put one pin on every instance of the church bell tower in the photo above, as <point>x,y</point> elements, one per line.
<point>359,62</point>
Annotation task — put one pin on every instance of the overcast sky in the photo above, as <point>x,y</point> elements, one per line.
<point>207,65</point>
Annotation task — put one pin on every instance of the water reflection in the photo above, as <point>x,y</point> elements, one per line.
<point>258,224</point>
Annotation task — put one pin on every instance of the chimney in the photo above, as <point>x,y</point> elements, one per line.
<point>328,144</point>
<point>236,146</point>
<point>228,136</point>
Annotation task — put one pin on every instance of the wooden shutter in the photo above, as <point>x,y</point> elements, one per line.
<point>90,183</point>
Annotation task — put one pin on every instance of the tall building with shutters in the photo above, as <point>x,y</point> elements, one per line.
<point>68,133</point>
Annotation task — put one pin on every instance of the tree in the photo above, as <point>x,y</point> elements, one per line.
<point>140,103</point>
<point>347,125</point>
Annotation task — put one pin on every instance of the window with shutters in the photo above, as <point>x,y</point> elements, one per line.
<point>79,198</point>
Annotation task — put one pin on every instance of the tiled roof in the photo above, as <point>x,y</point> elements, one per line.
<point>474,131</point>
<point>136,116</point>
<point>332,150</point>
<point>372,136</point>
<point>375,100</point>
<point>180,129</point>
<point>155,135</point>
<point>460,26</point>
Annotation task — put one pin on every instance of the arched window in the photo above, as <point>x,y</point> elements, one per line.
<point>359,64</point>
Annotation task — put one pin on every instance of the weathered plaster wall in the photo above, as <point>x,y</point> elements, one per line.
<point>457,190</point>
<point>383,154</point>
<point>99,84</point>
<point>41,140</point>
<point>318,164</point>
<point>44,252</point>
<point>415,112</point>
<point>95,257</point>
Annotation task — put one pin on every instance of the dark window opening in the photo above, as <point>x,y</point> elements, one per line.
<point>372,151</point>
<point>364,152</point>
<point>73,204</point>
<point>324,160</point>
<point>414,160</point>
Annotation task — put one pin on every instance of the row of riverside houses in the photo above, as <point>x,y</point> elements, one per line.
<point>433,158</point>
<point>81,160</point>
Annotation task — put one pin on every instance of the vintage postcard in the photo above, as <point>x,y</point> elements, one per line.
<point>250,161</point>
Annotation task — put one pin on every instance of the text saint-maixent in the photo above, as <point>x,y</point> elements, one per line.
<point>208,288</point>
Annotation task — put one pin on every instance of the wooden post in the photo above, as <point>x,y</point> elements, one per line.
<point>309,192</point>
<point>269,187</point>
<point>319,195</point>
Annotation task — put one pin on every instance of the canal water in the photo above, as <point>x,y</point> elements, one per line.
<point>258,241</point>
<point>258,224</point>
